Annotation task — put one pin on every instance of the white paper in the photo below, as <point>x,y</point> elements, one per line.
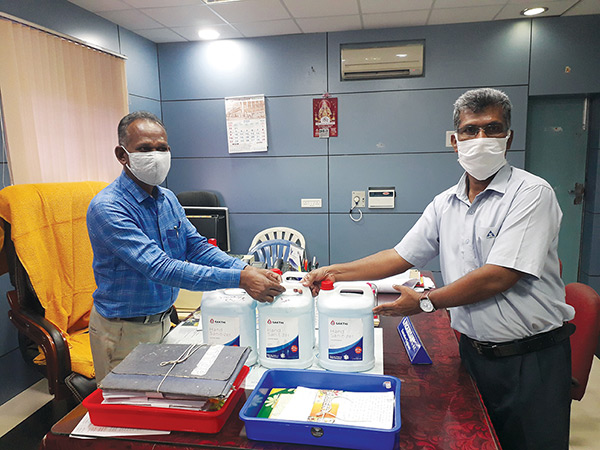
<point>85,430</point>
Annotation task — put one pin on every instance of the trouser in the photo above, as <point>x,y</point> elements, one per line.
<point>528,396</point>
<point>112,340</point>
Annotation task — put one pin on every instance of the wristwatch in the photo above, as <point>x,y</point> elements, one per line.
<point>426,304</point>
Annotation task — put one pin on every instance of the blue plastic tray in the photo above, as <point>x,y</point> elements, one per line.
<point>341,436</point>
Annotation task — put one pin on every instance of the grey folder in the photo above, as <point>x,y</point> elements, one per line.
<point>141,372</point>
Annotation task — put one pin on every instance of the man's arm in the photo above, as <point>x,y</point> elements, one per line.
<point>374,267</point>
<point>480,284</point>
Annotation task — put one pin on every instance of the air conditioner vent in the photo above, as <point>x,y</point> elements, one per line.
<point>381,61</point>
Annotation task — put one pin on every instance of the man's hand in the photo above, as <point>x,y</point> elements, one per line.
<point>405,305</point>
<point>261,284</point>
<point>313,279</point>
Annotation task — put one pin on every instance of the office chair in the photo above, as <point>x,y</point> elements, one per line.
<point>49,258</point>
<point>198,198</point>
<point>584,341</point>
<point>270,252</point>
<point>279,233</point>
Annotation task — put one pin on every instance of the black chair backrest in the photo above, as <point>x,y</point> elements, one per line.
<point>198,198</point>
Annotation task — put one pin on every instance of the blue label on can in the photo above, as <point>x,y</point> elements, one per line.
<point>353,352</point>
<point>289,350</point>
<point>234,343</point>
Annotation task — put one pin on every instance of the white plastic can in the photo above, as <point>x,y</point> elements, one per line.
<point>286,331</point>
<point>229,318</point>
<point>346,326</point>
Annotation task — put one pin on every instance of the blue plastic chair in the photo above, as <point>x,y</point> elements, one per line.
<point>270,251</point>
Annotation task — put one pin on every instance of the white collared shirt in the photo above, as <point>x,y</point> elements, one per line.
<point>513,223</point>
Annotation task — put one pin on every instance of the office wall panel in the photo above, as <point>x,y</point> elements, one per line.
<point>417,178</point>
<point>592,281</point>
<point>592,182</point>
<point>590,261</point>
<point>565,55</point>
<point>314,228</point>
<point>144,104</point>
<point>141,65</point>
<point>198,128</point>
<point>255,185</point>
<point>409,121</point>
<point>375,232</point>
<point>286,65</point>
<point>458,55</point>
<point>65,17</point>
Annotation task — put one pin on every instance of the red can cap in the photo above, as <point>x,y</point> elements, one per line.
<point>327,285</point>
<point>277,271</point>
<point>212,241</point>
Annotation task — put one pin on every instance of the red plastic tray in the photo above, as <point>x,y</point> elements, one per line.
<point>168,419</point>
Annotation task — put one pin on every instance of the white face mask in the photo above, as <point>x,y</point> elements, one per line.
<point>482,157</point>
<point>149,167</point>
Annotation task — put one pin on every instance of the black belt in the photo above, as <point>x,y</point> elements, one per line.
<point>525,345</point>
<point>153,318</point>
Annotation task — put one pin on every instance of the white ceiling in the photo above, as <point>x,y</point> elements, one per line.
<point>179,20</point>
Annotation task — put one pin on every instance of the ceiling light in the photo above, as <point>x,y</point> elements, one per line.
<point>208,34</point>
<point>534,11</point>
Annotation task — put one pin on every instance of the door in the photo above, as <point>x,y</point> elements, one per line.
<point>556,151</point>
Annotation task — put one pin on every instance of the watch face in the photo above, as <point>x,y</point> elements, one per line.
<point>426,305</point>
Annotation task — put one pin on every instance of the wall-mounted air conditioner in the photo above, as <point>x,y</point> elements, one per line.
<point>371,61</point>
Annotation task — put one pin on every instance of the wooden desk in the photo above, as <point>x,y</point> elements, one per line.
<point>440,406</point>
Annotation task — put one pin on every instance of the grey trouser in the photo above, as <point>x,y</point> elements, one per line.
<point>112,339</point>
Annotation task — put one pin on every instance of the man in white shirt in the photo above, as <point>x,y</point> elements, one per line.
<point>496,233</point>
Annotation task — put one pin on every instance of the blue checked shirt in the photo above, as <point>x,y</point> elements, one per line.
<point>145,249</point>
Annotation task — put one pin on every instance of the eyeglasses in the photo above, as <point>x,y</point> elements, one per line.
<point>490,130</point>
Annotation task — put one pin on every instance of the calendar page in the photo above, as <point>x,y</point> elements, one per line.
<point>246,124</point>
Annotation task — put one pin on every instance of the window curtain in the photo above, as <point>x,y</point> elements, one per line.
<point>62,102</point>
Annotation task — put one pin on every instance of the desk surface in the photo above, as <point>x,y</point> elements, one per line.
<point>440,406</point>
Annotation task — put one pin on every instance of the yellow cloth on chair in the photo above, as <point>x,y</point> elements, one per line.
<point>48,228</point>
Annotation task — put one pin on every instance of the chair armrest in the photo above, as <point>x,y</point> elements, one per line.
<point>45,334</point>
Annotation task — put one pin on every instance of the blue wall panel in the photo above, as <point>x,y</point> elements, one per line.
<point>198,128</point>
<point>409,121</point>
<point>461,55</point>
<point>144,104</point>
<point>558,43</point>
<point>67,18</point>
<point>255,185</point>
<point>375,232</point>
<point>142,66</point>
<point>286,65</point>
<point>314,228</point>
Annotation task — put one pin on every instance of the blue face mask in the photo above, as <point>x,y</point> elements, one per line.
<point>149,167</point>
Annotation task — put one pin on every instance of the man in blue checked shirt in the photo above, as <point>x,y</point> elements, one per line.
<point>145,249</point>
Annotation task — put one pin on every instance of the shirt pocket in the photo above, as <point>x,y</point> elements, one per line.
<point>486,237</point>
<point>175,247</point>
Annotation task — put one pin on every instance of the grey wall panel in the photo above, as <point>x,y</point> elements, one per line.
<point>459,55</point>
<point>287,65</point>
<point>198,128</point>
<point>141,64</point>
<point>409,121</point>
<point>312,226</point>
<point>8,332</point>
<point>558,43</point>
<point>592,197</point>
<point>255,185</point>
<point>67,18</point>
<point>417,179</point>
<point>375,232</point>
<point>590,261</point>
<point>145,104</point>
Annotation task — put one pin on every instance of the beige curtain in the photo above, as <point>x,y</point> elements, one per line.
<point>61,102</point>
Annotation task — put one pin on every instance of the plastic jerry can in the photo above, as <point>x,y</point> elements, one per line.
<point>297,277</point>
<point>346,326</point>
<point>229,318</point>
<point>286,329</point>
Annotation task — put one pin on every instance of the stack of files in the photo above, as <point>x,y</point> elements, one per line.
<point>197,376</point>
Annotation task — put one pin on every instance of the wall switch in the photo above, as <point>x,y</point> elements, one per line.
<point>448,136</point>
<point>358,199</point>
<point>311,203</point>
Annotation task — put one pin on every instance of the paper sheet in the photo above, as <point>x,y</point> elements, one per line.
<point>85,429</point>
